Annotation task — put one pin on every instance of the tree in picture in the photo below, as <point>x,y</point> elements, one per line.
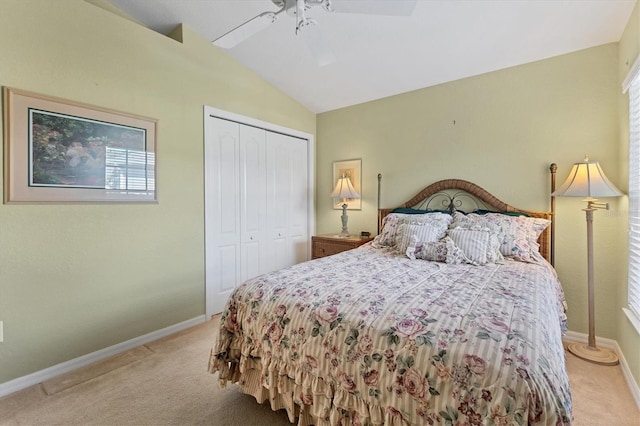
<point>69,151</point>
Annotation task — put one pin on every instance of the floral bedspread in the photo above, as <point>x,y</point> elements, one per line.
<point>371,337</point>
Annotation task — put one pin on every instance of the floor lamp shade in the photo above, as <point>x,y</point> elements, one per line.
<point>344,190</point>
<point>587,179</point>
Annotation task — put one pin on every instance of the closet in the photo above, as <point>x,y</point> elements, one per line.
<point>258,201</point>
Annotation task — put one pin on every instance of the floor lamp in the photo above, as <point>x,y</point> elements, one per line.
<point>587,180</point>
<point>344,190</point>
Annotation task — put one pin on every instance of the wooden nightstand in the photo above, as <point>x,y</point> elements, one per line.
<point>328,244</point>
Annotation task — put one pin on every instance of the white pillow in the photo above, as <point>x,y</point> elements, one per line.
<point>517,235</point>
<point>479,245</point>
<point>428,232</point>
<point>392,221</point>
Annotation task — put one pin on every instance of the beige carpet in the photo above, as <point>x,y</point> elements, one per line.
<point>166,383</point>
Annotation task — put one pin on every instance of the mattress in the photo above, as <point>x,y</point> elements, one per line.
<point>369,336</point>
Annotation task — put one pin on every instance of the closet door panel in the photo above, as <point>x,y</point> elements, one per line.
<point>287,199</point>
<point>278,195</point>
<point>222,203</point>
<point>278,181</point>
<point>298,201</point>
<point>279,253</point>
<point>251,263</point>
<point>253,201</point>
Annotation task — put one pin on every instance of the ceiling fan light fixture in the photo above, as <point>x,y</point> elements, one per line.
<point>316,43</point>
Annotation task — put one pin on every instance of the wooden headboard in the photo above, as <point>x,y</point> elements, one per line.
<point>457,194</point>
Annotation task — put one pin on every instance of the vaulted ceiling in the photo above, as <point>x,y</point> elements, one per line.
<point>378,55</point>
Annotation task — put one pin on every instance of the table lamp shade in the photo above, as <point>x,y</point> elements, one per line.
<point>344,189</point>
<point>587,179</point>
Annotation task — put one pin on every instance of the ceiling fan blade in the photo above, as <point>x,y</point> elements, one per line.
<point>374,7</point>
<point>246,30</point>
<point>316,43</point>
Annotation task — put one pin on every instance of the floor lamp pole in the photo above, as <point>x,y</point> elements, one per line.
<point>590,351</point>
<point>592,318</point>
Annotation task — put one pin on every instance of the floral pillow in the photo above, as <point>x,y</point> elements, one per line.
<point>392,221</point>
<point>428,232</point>
<point>517,235</point>
<point>479,245</point>
<point>435,251</point>
<point>444,250</point>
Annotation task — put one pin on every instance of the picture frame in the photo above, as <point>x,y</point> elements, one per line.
<point>353,169</point>
<point>56,150</point>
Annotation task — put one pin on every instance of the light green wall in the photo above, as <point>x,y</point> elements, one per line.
<point>627,336</point>
<point>500,130</point>
<point>78,278</point>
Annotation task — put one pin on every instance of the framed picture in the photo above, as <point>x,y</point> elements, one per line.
<point>353,170</point>
<point>61,151</point>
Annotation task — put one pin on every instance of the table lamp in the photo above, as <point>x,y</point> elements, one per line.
<point>344,190</point>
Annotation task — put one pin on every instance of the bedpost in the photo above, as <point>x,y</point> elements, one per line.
<point>379,218</point>
<point>553,168</point>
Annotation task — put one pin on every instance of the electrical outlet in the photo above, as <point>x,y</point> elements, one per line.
<point>1,331</point>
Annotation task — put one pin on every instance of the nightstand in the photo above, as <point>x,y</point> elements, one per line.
<point>328,244</point>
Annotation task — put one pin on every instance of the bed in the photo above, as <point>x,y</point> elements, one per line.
<point>445,318</point>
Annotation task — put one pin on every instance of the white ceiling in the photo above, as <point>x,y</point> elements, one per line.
<point>379,56</point>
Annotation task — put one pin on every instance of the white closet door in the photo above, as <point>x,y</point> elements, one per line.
<point>253,202</point>
<point>298,202</point>
<point>258,201</point>
<point>222,204</point>
<point>287,209</point>
<point>278,190</point>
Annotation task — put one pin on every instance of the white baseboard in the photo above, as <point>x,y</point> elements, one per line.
<point>24,382</point>
<point>573,336</point>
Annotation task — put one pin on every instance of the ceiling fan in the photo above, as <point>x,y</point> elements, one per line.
<point>307,27</point>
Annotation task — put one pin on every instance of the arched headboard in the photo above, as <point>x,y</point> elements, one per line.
<point>458,194</point>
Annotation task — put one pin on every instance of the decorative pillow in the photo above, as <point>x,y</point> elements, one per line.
<point>434,251</point>
<point>454,254</point>
<point>428,232</point>
<point>479,245</point>
<point>392,221</point>
<point>518,235</point>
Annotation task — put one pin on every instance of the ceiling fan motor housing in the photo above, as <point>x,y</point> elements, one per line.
<point>291,7</point>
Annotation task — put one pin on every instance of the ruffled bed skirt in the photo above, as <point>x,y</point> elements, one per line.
<point>309,399</point>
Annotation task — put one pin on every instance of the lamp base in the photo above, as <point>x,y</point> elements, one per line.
<point>595,354</point>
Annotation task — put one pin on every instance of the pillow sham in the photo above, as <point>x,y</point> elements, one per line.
<point>479,245</point>
<point>517,235</point>
<point>392,221</point>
